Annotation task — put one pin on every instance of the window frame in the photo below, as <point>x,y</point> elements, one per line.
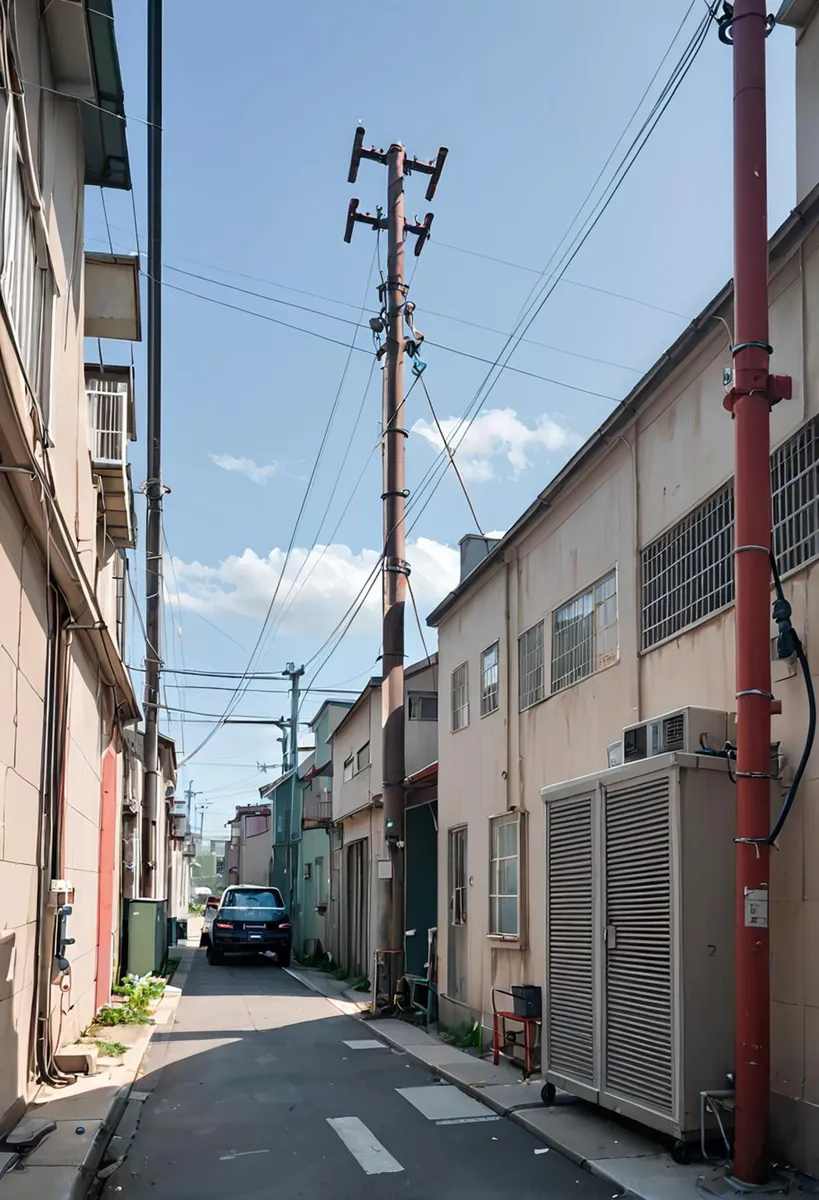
<point>516,817</point>
<point>419,697</point>
<point>594,653</point>
<point>523,707</point>
<point>359,765</point>
<point>485,711</point>
<point>464,707</point>
<point>347,775</point>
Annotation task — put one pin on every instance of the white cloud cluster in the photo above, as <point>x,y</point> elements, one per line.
<point>318,586</point>
<point>247,467</point>
<point>496,434</point>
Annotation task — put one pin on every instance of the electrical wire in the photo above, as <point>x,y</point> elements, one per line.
<point>448,449</point>
<point>430,662</point>
<point>232,704</point>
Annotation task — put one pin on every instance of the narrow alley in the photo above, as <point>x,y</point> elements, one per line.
<point>262,1087</point>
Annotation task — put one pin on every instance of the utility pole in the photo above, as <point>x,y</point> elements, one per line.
<point>751,393</point>
<point>395,567</point>
<point>294,674</point>
<point>153,485</point>
<point>284,725</point>
<point>189,795</point>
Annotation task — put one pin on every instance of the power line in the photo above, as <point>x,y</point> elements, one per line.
<point>451,458</point>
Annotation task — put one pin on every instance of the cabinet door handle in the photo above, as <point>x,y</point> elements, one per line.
<point>610,937</point>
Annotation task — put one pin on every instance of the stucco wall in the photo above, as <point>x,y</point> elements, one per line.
<point>672,457</point>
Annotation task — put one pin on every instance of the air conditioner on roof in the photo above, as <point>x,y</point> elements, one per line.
<point>682,731</point>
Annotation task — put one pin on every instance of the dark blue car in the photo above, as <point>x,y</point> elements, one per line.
<point>251,920</point>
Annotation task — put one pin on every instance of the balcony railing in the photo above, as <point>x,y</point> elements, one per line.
<point>110,428</point>
<point>317,814</point>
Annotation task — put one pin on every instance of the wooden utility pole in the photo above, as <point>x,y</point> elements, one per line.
<point>153,486</point>
<point>393,294</point>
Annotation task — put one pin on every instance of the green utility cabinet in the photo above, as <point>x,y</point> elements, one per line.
<point>145,925</point>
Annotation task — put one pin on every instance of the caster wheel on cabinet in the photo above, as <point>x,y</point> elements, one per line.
<point>548,1094</point>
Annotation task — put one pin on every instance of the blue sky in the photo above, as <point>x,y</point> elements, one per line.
<point>260,110</point>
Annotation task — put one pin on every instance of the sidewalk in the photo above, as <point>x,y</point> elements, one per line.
<point>88,1113</point>
<point>632,1162</point>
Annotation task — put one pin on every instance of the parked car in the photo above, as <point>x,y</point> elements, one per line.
<point>211,908</point>
<point>250,920</point>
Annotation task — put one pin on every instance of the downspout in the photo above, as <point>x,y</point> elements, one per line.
<point>638,570</point>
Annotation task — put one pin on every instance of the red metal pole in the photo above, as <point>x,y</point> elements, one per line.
<point>750,403</point>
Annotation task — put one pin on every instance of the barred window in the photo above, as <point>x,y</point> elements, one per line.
<point>489,680</point>
<point>585,634</point>
<point>460,698</point>
<point>794,471</point>
<point>688,572</point>
<point>532,684</point>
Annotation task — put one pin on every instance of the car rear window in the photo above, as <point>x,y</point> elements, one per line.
<point>253,898</point>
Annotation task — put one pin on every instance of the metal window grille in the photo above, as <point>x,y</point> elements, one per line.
<point>585,635</point>
<point>688,572</point>
<point>504,882</point>
<point>532,673</point>
<point>794,471</point>
<point>489,680</point>
<point>107,419</point>
<point>460,697</point>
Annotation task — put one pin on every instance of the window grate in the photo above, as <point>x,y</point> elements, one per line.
<point>531,666</point>
<point>585,634</point>
<point>688,572</point>
<point>489,680</point>
<point>460,698</point>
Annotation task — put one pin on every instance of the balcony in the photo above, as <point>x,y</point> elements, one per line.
<point>111,427</point>
<point>317,814</point>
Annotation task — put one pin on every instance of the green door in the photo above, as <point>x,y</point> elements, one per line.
<point>421,876</point>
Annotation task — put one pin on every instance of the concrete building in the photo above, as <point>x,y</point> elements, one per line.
<point>359,876</point>
<point>247,855</point>
<point>65,520</point>
<point>172,840</point>
<point>610,601</point>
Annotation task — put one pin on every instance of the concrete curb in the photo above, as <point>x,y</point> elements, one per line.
<point>93,1160</point>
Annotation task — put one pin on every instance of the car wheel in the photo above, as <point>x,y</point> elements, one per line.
<point>283,958</point>
<point>214,958</point>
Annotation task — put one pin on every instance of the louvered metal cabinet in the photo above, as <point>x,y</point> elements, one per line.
<point>639,931</point>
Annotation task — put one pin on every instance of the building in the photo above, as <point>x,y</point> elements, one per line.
<point>172,870</point>
<point>208,865</point>
<point>314,911</point>
<point>360,863</point>
<point>247,855</point>
<point>66,518</point>
<point>610,601</point>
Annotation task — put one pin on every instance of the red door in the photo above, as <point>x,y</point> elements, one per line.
<point>106,891</point>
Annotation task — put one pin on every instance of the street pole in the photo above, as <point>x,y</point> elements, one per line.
<point>294,674</point>
<point>153,485</point>
<point>751,393</point>
<point>395,567</point>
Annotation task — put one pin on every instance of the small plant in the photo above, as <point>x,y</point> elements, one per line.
<point>196,910</point>
<point>139,994</point>
<point>466,1036</point>
<point>339,973</point>
<point>360,984</point>
<point>122,1014</point>
<point>110,1049</point>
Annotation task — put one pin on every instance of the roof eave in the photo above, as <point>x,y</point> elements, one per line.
<point>107,163</point>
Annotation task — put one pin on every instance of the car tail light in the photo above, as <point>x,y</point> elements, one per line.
<point>285,925</point>
<point>223,924</point>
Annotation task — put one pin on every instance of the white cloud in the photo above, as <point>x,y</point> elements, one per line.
<point>498,433</point>
<point>327,579</point>
<point>247,467</point>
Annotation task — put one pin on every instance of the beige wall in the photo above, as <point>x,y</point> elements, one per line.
<point>807,98</point>
<point>672,457</point>
<point>363,725</point>
<point>63,531</point>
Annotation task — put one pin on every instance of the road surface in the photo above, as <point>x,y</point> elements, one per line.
<point>262,1089</point>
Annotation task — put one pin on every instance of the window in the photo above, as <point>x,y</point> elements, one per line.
<point>423,706</point>
<point>584,634</point>
<point>504,876</point>
<point>349,767</point>
<point>532,686</point>
<point>363,757</point>
<point>688,572</point>
<point>489,680</point>
<point>252,898</point>
<point>460,698</point>
<point>321,880</point>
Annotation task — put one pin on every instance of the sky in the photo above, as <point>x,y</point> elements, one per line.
<point>260,106</point>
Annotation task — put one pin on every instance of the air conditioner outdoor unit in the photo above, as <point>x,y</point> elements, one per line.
<point>684,731</point>
<point>640,938</point>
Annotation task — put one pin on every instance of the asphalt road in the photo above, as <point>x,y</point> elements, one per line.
<point>255,1093</point>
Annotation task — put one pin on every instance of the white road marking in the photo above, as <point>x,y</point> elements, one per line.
<point>468,1121</point>
<point>240,1154</point>
<point>364,1146</point>
<point>442,1102</point>
<point>365,1044</point>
